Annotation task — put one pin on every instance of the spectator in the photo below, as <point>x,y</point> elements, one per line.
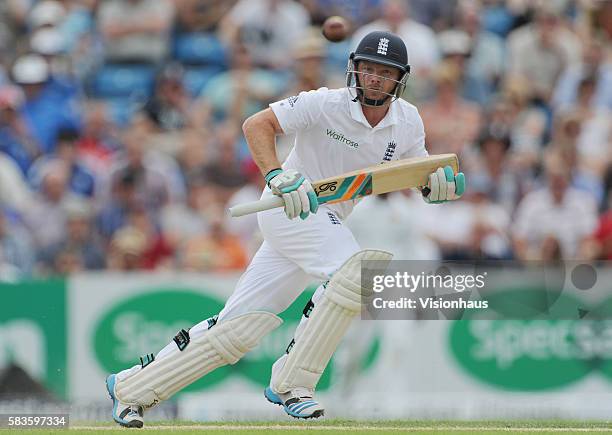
<point>168,109</point>
<point>599,246</point>
<point>566,139</point>
<point>309,66</point>
<point>157,177</point>
<point>126,249</point>
<point>594,64</point>
<point>172,112</point>
<point>241,91</point>
<point>527,122</point>
<point>99,140</point>
<point>247,228</point>
<point>224,170</point>
<point>49,43</point>
<point>168,112</point>
<point>8,272</point>
<point>501,17</point>
<point>357,12</point>
<point>451,123</point>
<point>49,107</point>
<point>136,30</point>
<point>215,251</point>
<point>114,212</point>
<point>46,13</point>
<point>541,50</point>
<point>80,249</point>
<point>139,244</point>
<point>77,38</point>
<point>46,215</point>
<point>269,29</point>
<point>14,190</point>
<point>602,22</point>
<point>479,229</point>
<point>437,14</point>
<point>82,181</point>
<point>594,134</point>
<point>13,15</point>
<point>67,261</point>
<point>16,250</point>
<point>200,15</point>
<point>16,138</point>
<point>157,253</point>
<point>423,53</point>
<point>554,222</point>
<point>493,172</point>
<point>487,50</point>
<point>183,221</point>
<point>194,153</point>
<point>456,48</point>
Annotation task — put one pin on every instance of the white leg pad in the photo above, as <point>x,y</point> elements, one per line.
<point>173,369</point>
<point>328,322</point>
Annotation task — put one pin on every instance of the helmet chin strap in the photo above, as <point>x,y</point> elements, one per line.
<point>369,101</point>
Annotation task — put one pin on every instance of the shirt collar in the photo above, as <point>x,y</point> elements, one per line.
<point>356,113</point>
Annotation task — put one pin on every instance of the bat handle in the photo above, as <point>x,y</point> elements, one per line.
<point>256,206</point>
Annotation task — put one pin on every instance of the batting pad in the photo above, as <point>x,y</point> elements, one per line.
<point>327,324</point>
<point>173,369</point>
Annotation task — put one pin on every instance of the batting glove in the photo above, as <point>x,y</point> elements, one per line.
<point>443,186</point>
<point>297,192</point>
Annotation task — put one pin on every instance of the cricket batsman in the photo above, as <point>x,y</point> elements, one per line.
<point>337,130</point>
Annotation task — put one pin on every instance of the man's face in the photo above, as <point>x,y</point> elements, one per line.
<point>558,183</point>
<point>377,79</point>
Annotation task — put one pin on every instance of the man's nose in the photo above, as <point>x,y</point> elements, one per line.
<point>375,78</point>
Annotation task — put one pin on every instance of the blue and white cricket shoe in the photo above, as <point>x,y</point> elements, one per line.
<point>125,415</point>
<point>298,404</point>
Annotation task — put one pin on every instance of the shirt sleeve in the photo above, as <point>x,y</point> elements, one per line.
<point>525,214</point>
<point>300,112</point>
<point>416,146</point>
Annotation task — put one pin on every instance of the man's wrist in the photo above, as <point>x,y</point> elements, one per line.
<point>271,174</point>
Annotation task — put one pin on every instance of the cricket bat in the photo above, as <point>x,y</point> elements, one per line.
<point>373,180</point>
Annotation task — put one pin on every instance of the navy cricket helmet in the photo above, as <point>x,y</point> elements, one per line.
<point>384,48</point>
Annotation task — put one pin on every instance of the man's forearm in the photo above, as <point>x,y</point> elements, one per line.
<point>260,137</point>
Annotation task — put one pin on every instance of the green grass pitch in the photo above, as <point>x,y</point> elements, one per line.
<point>329,427</point>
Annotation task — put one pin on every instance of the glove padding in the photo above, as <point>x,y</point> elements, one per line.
<point>444,186</point>
<point>297,192</point>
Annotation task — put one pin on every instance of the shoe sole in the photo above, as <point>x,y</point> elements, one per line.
<point>276,401</point>
<point>110,386</point>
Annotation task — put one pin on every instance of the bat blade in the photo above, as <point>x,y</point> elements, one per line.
<point>373,180</point>
<point>383,178</point>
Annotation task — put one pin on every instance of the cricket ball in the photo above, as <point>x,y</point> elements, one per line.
<point>335,29</point>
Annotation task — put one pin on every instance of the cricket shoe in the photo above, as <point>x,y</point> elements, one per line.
<point>297,403</point>
<point>125,415</point>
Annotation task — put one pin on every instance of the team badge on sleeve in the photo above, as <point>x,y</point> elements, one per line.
<point>292,100</point>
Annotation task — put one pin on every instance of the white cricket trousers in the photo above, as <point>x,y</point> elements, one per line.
<point>294,254</point>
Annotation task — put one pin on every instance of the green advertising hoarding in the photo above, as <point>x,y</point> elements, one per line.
<point>33,331</point>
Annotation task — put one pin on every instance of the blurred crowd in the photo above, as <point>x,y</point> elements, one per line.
<point>121,143</point>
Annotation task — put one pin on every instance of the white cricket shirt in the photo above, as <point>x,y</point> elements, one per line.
<point>332,135</point>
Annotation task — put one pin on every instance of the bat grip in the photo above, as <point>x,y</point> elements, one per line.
<point>256,206</point>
